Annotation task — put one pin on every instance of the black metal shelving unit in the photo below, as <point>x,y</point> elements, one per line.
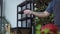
<point>26,20</point>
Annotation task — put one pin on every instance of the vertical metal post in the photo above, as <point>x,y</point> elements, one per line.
<point>17,19</point>
<point>31,16</point>
<point>17,16</point>
<point>21,17</point>
<point>26,15</point>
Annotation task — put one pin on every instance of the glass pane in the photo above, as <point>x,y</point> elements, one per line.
<point>23,15</point>
<point>19,9</point>
<point>24,24</point>
<point>19,16</point>
<point>19,23</point>
<point>31,6</point>
<point>29,23</point>
<point>23,7</point>
<point>28,6</point>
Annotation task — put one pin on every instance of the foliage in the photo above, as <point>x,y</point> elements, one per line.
<point>41,5</point>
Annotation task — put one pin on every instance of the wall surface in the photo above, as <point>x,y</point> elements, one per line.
<point>11,11</point>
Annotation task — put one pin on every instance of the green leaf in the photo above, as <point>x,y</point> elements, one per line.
<point>46,31</point>
<point>38,27</point>
<point>37,32</point>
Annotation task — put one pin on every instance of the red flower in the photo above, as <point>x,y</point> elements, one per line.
<point>51,27</point>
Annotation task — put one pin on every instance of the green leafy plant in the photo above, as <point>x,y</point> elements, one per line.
<point>46,31</point>
<point>41,6</point>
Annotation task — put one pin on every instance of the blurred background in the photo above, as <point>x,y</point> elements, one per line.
<point>8,14</point>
